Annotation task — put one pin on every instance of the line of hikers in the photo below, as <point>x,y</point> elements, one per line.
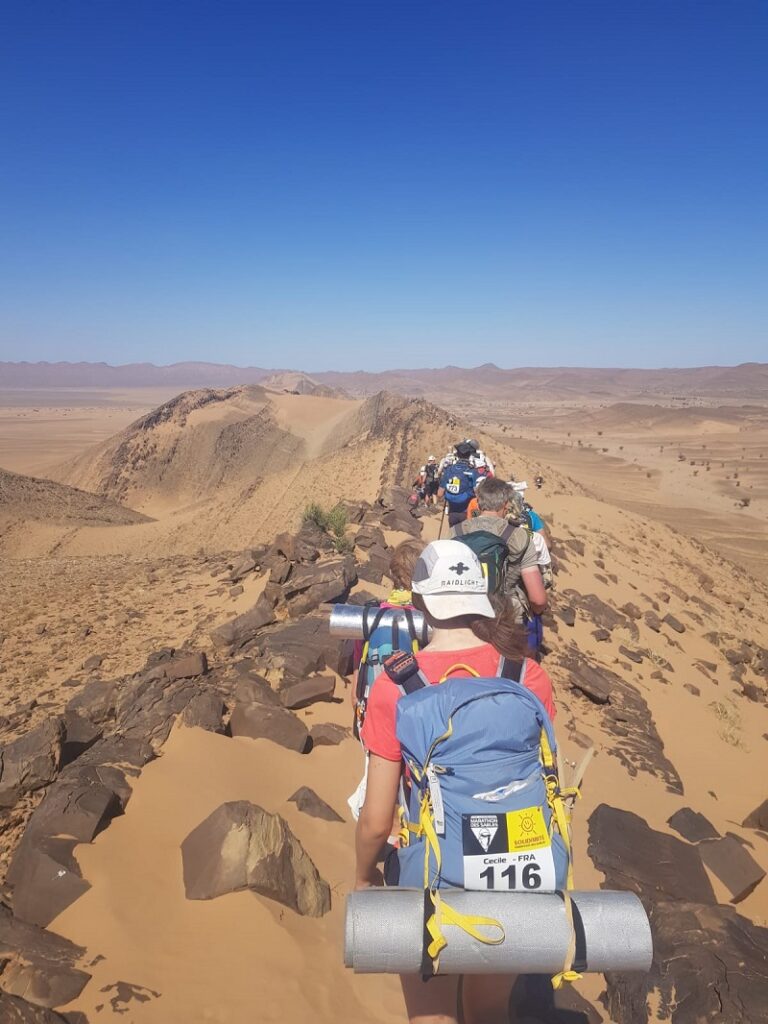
<point>461,787</point>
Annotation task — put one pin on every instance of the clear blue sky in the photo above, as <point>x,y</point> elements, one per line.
<point>380,184</point>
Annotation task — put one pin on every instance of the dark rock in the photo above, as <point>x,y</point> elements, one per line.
<point>327,734</point>
<point>241,846</point>
<point>245,627</point>
<point>708,965</point>
<point>660,677</point>
<point>92,663</point>
<point>280,571</point>
<point>241,569</point>
<point>80,734</point>
<point>310,803</point>
<point>692,826</point>
<point>96,701</point>
<point>652,621</point>
<point>205,711</point>
<point>601,635</point>
<point>635,656</point>
<point>236,591</point>
<point>567,615</point>
<point>691,688</point>
<point>627,718</point>
<point>663,597</point>
<point>589,681</point>
<point>733,865</point>
<point>757,818</point>
<point>30,762</point>
<point>308,691</point>
<point>188,667</point>
<point>652,864</point>
<point>368,536</point>
<point>298,649</point>
<point>260,721</point>
<point>39,965</point>
<point>47,879</point>
<point>575,545</point>
<point>401,521</point>
<point>147,709</point>
<point>15,1010</point>
<point>753,693</point>
<point>674,623</point>
<point>631,610</point>
<point>310,586</point>
<point>603,615</point>
<point>254,689</point>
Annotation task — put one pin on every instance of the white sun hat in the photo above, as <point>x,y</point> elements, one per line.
<point>450,578</point>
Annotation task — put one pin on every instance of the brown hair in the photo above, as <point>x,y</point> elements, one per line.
<point>503,632</point>
<point>403,562</point>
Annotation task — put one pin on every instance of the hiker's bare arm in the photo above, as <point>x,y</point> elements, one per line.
<point>534,588</point>
<point>375,822</point>
<point>441,492</point>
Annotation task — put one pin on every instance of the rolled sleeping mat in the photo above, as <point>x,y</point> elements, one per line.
<point>384,931</point>
<point>348,620</point>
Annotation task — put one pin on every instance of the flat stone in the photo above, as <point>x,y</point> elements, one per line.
<point>757,818</point>
<point>187,667</point>
<point>255,689</point>
<point>246,565</point>
<point>260,721</point>
<point>240,630</point>
<point>297,649</point>
<point>631,610</point>
<point>567,615</point>
<point>601,635</point>
<point>39,964</point>
<point>309,586</point>
<point>242,846</point>
<point>15,1010</point>
<point>692,826</point>
<point>674,623</point>
<point>80,733</point>
<point>328,734</point>
<point>96,701</point>
<point>634,656</point>
<point>642,860</point>
<point>94,662</point>
<point>308,802</point>
<point>31,762</point>
<point>733,865</point>
<point>692,688</point>
<point>205,711</point>
<point>652,621</point>
<point>589,681</point>
<point>47,879</point>
<point>236,591</point>
<point>308,691</point>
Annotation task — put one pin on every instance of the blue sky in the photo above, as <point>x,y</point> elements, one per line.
<point>332,185</point>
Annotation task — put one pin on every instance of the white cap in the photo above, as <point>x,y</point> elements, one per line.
<point>450,578</point>
<point>431,459</point>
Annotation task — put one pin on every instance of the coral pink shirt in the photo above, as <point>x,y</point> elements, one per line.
<point>378,732</point>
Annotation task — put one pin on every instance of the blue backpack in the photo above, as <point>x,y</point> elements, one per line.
<point>485,809</point>
<point>458,482</point>
<point>380,641</point>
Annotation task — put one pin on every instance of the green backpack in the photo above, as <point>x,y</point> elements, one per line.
<point>491,549</point>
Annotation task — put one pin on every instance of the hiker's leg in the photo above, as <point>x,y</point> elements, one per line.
<point>485,998</point>
<point>431,1002</point>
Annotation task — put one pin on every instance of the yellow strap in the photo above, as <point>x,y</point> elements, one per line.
<point>568,973</point>
<point>453,668</point>
<point>445,915</point>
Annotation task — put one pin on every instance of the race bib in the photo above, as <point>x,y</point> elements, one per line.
<point>511,851</point>
<point>454,485</point>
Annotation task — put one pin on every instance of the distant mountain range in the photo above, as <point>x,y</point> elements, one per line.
<point>746,381</point>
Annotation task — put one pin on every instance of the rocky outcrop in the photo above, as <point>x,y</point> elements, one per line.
<point>242,846</point>
<point>240,630</point>
<point>261,721</point>
<point>308,802</point>
<point>38,965</point>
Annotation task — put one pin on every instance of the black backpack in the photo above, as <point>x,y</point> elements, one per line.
<point>492,551</point>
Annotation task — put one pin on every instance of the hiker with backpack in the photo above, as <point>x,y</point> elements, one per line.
<point>506,550</point>
<point>476,755</point>
<point>430,480</point>
<point>457,484</point>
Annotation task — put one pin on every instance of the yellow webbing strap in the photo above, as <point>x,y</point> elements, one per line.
<point>442,913</point>
<point>555,799</point>
<point>448,671</point>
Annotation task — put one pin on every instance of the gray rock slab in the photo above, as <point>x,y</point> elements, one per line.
<point>729,861</point>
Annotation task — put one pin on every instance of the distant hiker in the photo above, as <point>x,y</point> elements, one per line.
<point>472,637</point>
<point>457,484</point>
<point>483,464</point>
<point>506,550</point>
<point>430,480</point>
<point>529,516</point>
<point>539,481</point>
<point>447,460</point>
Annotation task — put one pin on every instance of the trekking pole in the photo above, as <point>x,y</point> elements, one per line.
<point>442,520</point>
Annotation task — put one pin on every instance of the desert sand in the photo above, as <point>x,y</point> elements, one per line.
<point>675,709</point>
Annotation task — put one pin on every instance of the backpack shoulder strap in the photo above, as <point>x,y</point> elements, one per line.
<point>419,638</point>
<point>507,532</point>
<point>509,669</point>
<point>403,669</point>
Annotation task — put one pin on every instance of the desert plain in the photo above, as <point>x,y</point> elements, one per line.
<point>157,573</point>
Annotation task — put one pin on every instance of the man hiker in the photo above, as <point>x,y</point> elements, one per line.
<point>520,576</point>
<point>430,480</point>
<point>457,484</point>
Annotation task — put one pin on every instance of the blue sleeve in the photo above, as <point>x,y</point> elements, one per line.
<point>444,477</point>
<point>537,523</point>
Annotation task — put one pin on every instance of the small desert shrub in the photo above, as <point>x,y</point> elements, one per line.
<point>333,521</point>
<point>730,719</point>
